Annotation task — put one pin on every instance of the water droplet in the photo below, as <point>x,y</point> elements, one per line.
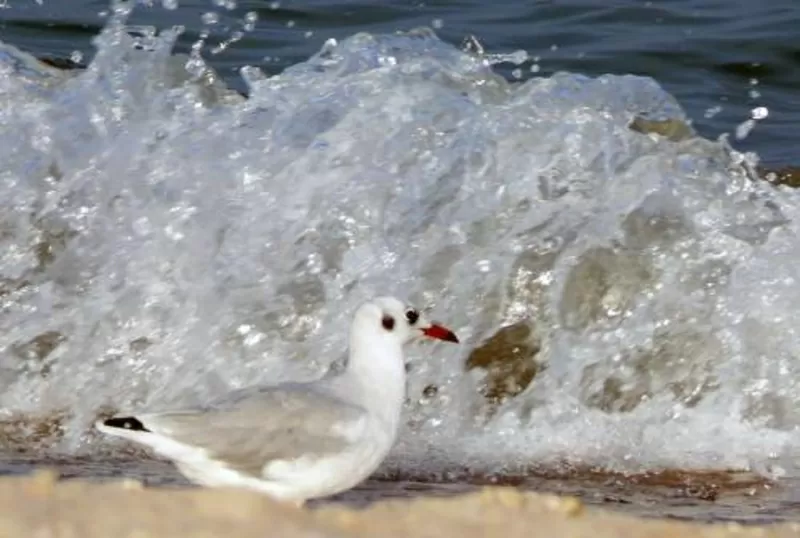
<point>274,5</point>
<point>210,18</point>
<point>517,57</point>
<point>195,64</point>
<point>472,45</point>
<point>760,112</point>
<point>76,56</point>
<point>437,23</point>
<point>290,24</point>
<point>743,129</point>
<point>169,4</point>
<point>252,339</point>
<point>251,74</point>
<point>713,111</point>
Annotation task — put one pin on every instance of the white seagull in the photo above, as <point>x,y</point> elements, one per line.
<point>297,441</point>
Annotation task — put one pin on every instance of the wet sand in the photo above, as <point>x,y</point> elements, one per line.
<point>719,498</point>
<point>39,505</point>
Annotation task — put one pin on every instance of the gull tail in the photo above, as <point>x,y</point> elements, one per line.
<point>127,423</point>
<point>131,428</point>
<point>138,430</point>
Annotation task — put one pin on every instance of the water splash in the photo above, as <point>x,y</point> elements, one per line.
<point>164,239</point>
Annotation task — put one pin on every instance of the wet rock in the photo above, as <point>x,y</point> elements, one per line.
<point>673,129</point>
<point>66,64</point>
<point>24,434</point>
<point>602,286</point>
<point>703,492</point>
<point>614,395</point>
<point>139,345</point>
<point>788,176</point>
<point>677,130</point>
<point>52,241</point>
<point>509,359</point>
<point>654,224</point>
<point>679,361</point>
<point>35,352</point>
<point>45,242</point>
<point>39,347</point>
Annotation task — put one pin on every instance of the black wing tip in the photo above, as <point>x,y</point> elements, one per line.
<point>126,423</point>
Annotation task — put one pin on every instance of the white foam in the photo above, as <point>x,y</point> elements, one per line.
<point>191,242</point>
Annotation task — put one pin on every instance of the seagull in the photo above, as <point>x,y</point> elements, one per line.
<point>297,441</point>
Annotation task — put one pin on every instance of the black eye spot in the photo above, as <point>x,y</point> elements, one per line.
<point>412,316</point>
<point>388,323</point>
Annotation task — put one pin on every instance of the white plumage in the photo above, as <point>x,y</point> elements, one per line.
<point>296,441</point>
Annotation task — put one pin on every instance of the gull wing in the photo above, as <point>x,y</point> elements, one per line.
<point>248,429</point>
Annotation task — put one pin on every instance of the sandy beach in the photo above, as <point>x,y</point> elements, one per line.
<point>39,505</point>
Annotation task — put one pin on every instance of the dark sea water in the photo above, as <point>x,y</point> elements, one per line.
<point>719,58</point>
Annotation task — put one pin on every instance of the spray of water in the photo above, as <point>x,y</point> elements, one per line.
<point>624,299</point>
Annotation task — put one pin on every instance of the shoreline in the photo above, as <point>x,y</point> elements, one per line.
<point>39,505</point>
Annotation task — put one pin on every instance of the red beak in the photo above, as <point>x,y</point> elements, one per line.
<point>440,333</point>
